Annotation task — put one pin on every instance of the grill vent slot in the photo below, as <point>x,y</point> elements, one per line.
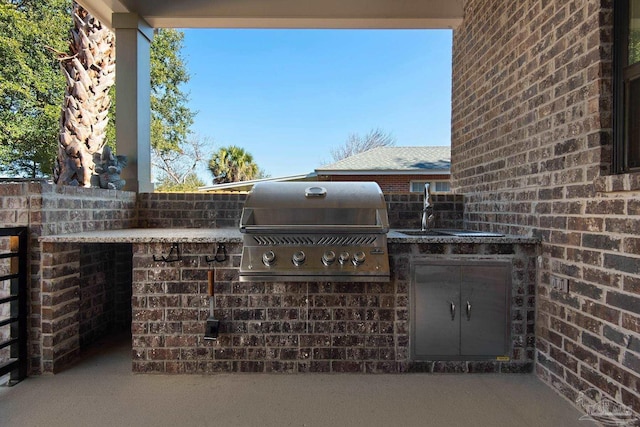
<point>265,240</point>
<point>283,240</point>
<point>346,240</point>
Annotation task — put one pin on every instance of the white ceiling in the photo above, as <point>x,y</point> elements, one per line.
<point>284,13</point>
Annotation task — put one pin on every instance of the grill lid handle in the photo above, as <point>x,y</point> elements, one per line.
<point>315,192</point>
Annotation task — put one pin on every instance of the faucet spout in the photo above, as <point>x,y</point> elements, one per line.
<point>428,218</point>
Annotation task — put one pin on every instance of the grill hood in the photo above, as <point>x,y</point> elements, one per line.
<point>325,231</point>
<point>331,206</point>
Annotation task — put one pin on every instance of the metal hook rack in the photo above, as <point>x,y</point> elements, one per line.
<point>220,255</point>
<point>175,251</point>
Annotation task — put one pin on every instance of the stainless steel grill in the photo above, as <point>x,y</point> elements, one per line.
<point>325,231</point>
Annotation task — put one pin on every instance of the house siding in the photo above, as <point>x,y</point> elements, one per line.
<point>531,152</point>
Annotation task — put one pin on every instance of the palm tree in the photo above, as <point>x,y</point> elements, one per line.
<point>232,164</point>
<point>90,73</point>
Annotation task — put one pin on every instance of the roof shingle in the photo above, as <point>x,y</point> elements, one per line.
<point>395,158</point>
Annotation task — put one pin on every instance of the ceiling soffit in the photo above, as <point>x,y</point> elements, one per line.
<point>284,13</point>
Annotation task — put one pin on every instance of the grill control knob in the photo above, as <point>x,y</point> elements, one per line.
<point>343,258</point>
<point>269,258</point>
<point>358,258</point>
<point>299,258</point>
<point>328,258</point>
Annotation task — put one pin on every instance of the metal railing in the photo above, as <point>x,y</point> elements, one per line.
<point>16,365</point>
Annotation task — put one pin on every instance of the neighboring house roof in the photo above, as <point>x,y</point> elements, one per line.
<point>248,185</point>
<point>377,161</point>
<point>393,161</point>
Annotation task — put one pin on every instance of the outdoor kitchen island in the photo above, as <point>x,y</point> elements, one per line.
<point>275,326</point>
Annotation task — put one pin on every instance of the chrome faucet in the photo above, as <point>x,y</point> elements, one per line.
<point>428,219</point>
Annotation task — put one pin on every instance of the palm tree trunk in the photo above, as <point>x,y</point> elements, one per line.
<point>90,73</point>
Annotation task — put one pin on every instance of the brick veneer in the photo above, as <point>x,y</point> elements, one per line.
<point>78,292</point>
<point>86,291</point>
<point>531,150</point>
<point>105,296</point>
<point>201,210</point>
<point>47,209</point>
<point>300,327</point>
<point>389,184</point>
<point>405,210</point>
<point>174,210</point>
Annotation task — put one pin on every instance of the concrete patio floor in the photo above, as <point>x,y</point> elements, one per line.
<point>101,391</point>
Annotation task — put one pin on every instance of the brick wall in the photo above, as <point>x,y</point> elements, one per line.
<point>405,210</point>
<point>175,210</point>
<point>531,149</point>
<point>105,294</point>
<point>389,184</point>
<point>300,327</point>
<point>121,269</point>
<point>91,300</point>
<point>47,209</point>
<point>86,291</point>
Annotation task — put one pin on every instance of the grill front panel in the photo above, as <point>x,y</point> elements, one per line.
<point>313,258</point>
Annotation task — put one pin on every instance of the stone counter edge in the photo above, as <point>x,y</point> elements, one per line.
<point>150,235</point>
<point>233,235</point>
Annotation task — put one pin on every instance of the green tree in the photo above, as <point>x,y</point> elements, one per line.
<point>171,118</point>
<point>190,183</point>
<point>175,155</point>
<point>32,94</point>
<point>31,85</point>
<point>232,164</point>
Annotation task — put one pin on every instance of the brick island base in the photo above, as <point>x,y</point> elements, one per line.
<point>300,327</point>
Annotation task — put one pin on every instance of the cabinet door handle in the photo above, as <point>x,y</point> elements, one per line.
<point>452,310</point>
<point>468,310</point>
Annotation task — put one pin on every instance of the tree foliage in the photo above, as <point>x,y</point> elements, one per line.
<point>31,85</point>
<point>232,164</point>
<point>357,144</point>
<point>190,183</point>
<point>175,152</point>
<point>32,92</point>
<point>171,118</point>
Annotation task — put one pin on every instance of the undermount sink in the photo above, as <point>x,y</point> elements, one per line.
<point>449,232</point>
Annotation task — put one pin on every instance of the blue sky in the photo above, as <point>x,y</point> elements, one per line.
<point>289,96</point>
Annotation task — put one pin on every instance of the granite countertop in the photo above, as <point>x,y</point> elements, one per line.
<point>396,236</point>
<point>151,235</point>
<point>233,235</point>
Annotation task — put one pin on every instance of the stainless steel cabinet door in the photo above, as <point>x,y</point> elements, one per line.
<point>483,320</point>
<point>460,309</point>
<point>436,312</point>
